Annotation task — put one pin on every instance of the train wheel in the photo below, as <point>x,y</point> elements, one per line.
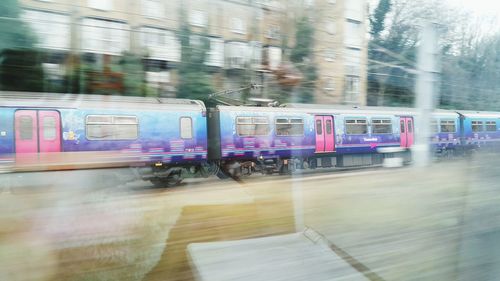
<point>209,169</point>
<point>221,175</point>
<point>171,180</point>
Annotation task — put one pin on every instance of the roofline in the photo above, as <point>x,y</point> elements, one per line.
<point>82,100</point>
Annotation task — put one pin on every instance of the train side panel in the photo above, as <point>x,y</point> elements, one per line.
<point>369,141</point>
<point>159,137</point>
<point>6,136</point>
<point>236,141</point>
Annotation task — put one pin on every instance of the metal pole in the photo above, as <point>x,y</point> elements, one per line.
<point>426,92</point>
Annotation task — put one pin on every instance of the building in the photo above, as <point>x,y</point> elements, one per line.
<point>249,39</point>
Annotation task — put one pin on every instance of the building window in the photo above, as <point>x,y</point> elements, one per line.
<point>104,5</point>
<point>352,88</point>
<point>198,18</point>
<point>237,54</point>
<point>52,30</point>
<point>112,127</point>
<point>273,57</point>
<point>252,126</point>
<point>274,32</point>
<point>352,61</point>
<point>104,36</point>
<point>329,54</point>
<point>289,127</point>
<point>152,8</point>
<point>353,34</point>
<point>330,27</point>
<point>309,3</point>
<point>161,44</point>
<point>356,126</point>
<point>448,126</point>
<point>329,84</point>
<point>157,79</point>
<point>186,127</point>
<point>256,53</point>
<point>354,9</point>
<point>491,126</point>
<point>238,26</point>
<point>381,126</point>
<point>477,126</point>
<point>215,55</point>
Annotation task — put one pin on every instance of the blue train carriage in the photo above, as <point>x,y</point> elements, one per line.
<point>446,132</point>
<point>264,139</point>
<point>481,130</point>
<point>162,137</point>
<point>304,136</point>
<point>361,132</point>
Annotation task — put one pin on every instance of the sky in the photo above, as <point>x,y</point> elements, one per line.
<point>479,7</point>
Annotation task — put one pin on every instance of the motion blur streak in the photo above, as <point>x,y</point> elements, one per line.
<point>439,223</point>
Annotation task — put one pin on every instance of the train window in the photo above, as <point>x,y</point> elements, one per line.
<point>477,126</point>
<point>356,126</point>
<point>112,127</point>
<point>434,126</point>
<point>448,126</point>
<point>244,120</point>
<point>410,126</point>
<point>328,126</point>
<point>49,128</point>
<point>402,127</point>
<point>26,127</point>
<point>252,126</point>
<point>124,119</point>
<point>381,126</point>
<point>289,127</point>
<point>319,127</point>
<point>186,128</point>
<point>99,119</point>
<point>491,126</point>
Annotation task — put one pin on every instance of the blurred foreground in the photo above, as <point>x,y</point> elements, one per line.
<point>440,223</point>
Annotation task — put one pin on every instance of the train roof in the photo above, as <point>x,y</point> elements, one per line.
<point>55,100</point>
<point>339,109</point>
<point>480,114</point>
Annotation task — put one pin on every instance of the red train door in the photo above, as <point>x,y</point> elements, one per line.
<point>325,135</point>
<point>407,128</point>
<point>37,131</point>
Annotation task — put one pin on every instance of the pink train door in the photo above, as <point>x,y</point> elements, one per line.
<point>37,131</point>
<point>26,131</point>
<point>49,131</point>
<point>325,140</point>
<point>407,128</point>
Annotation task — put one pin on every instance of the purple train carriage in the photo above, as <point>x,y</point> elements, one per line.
<point>167,138</point>
<point>270,139</point>
<point>162,137</point>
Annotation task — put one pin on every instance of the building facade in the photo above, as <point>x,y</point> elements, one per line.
<point>248,40</point>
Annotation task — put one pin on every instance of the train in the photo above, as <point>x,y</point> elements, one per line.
<point>165,140</point>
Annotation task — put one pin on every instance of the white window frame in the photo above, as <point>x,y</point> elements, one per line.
<point>101,5</point>
<point>238,26</point>
<point>198,18</point>
<point>152,9</point>
<point>184,133</point>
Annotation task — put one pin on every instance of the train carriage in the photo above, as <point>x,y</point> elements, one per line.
<point>51,131</point>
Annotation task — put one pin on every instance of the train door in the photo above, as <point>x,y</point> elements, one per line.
<point>406,129</point>
<point>325,134</point>
<point>37,131</point>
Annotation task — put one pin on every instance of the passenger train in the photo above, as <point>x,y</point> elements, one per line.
<point>164,140</point>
